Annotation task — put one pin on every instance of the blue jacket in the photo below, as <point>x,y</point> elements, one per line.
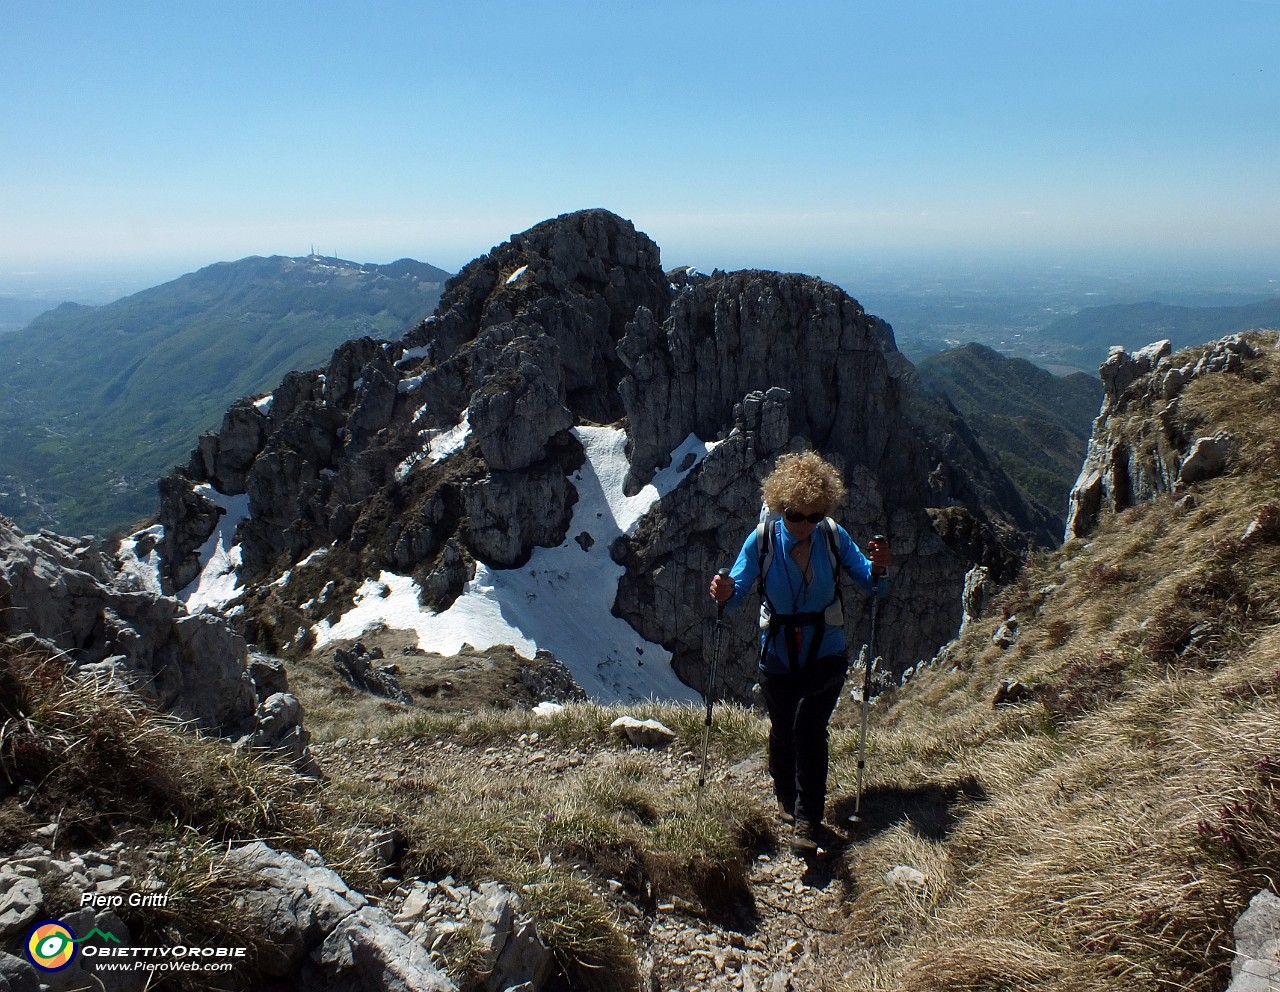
<point>788,592</point>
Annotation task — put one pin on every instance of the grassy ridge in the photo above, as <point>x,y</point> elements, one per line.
<point>102,764</point>
<point>1106,831</point>
<point>98,402</point>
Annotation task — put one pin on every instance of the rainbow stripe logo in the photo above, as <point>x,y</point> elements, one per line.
<point>51,946</point>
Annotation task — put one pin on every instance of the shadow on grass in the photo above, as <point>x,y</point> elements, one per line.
<point>932,810</point>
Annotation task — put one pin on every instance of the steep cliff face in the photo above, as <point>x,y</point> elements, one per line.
<point>1142,444</point>
<point>785,362</point>
<point>461,450</point>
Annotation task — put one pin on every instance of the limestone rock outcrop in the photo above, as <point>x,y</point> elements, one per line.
<point>78,603</point>
<point>1131,459</point>
<point>579,278</point>
<point>72,596</point>
<point>326,936</point>
<point>1256,965</point>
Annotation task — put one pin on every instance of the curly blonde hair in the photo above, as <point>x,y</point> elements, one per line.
<point>804,479</point>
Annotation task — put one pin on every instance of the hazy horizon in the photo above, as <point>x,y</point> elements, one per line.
<point>1208,280</point>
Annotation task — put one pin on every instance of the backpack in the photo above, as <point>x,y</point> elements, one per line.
<point>770,620</point>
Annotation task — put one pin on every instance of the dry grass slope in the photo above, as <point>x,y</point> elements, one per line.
<point>98,762</point>
<point>1106,832</point>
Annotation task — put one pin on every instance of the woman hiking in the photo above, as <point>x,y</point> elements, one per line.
<point>793,558</point>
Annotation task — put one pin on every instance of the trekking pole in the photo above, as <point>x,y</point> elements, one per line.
<point>709,695</point>
<point>870,658</point>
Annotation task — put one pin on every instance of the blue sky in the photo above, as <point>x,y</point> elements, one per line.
<point>158,137</point>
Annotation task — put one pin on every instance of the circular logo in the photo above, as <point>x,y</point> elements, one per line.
<point>51,945</point>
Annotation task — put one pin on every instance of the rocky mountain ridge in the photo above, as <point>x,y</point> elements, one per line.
<point>574,321</point>
<point>74,600</point>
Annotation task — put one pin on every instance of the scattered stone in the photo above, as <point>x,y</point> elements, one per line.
<point>1173,382</point>
<point>643,733</point>
<point>1206,458</point>
<point>365,951</point>
<point>547,678</point>
<point>1011,693</point>
<point>268,674</point>
<point>322,934</point>
<point>85,973</point>
<point>509,952</point>
<point>357,668</point>
<point>1006,634</point>
<point>279,729</point>
<point>907,877</point>
<point>21,900</point>
<point>17,975</point>
<point>973,599</point>
<point>1265,526</point>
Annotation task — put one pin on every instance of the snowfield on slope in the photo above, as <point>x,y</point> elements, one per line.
<point>561,601</point>
<point>219,581</point>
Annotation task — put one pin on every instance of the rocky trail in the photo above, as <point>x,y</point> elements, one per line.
<point>783,936</point>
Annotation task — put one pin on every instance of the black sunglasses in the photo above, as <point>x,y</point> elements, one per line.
<point>796,517</point>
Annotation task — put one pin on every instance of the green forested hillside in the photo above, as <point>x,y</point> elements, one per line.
<point>1037,424</point>
<point>99,402</point>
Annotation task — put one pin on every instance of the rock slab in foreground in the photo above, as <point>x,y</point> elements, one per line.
<point>1257,964</point>
<point>324,933</point>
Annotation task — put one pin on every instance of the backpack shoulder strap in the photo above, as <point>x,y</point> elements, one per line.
<point>833,545</point>
<point>764,549</point>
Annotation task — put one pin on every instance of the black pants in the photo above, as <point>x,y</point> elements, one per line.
<point>800,705</point>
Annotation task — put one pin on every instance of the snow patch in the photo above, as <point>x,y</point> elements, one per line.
<point>406,386</point>
<point>218,582</point>
<point>438,446</point>
<point>517,274</point>
<point>314,556</point>
<point>562,600</point>
<point>411,353</point>
<point>264,405</point>
<point>145,571</point>
<point>451,441</point>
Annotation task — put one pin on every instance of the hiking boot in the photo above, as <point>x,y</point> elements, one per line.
<point>804,838</point>
<point>788,813</point>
